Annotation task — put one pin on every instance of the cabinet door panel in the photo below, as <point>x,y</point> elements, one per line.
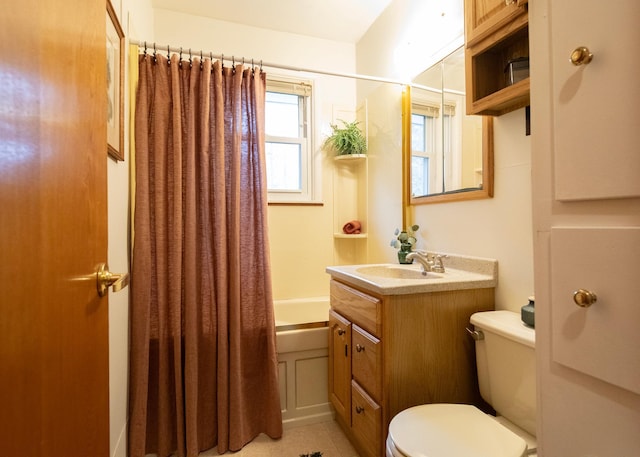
<point>596,340</point>
<point>483,17</point>
<point>340,365</point>
<point>367,421</point>
<point>597,105</point>
<point>367,361</point>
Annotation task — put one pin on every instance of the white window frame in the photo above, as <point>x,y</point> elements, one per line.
<point>303,89</point>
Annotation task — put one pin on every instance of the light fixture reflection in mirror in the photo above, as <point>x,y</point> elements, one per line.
<point>448,155</point>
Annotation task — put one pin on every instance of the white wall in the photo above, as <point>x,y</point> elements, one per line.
<point>135,17</point>
<point>398,46</point>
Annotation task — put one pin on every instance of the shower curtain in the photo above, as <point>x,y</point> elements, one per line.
<point>203,364</point>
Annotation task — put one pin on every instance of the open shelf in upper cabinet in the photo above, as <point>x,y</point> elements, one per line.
<point>487,59</point>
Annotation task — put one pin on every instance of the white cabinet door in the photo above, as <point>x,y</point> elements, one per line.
<point>597,105</point>
<point>597,339</point>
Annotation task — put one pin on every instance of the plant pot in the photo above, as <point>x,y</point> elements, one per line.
<point>405,248</point>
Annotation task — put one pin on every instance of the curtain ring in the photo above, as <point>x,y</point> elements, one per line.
<point>180,60</point>
<point>168,55</point>
<point>222,60</point>
<point>261,65</point>
<point>201,59</point>
<point>190,61</point>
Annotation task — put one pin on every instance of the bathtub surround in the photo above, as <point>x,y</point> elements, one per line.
<point>203,346</point>
<point>302,339</point>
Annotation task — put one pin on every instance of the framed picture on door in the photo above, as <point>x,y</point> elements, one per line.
<point>115,85</point>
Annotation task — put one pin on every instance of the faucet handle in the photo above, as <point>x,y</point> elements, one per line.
<point>438,266</point>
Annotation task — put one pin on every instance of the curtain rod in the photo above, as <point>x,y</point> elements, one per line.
<point>169,49</point>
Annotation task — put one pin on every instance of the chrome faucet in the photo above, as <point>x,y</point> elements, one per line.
<point>429,261</point>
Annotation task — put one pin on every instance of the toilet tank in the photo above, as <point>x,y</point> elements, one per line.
<point>506,364</point>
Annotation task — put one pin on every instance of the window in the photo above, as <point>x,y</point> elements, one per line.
<point>423,149</point>
<point>288,141</point>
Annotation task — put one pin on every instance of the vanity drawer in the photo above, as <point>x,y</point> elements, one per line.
<point>357,306</point>
<point>366,360</point>
<point>366,420</point>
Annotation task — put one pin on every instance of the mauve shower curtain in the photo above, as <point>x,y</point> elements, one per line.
<point>203,356</point>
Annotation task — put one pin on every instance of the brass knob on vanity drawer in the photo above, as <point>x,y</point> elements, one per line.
<point>340,332</point>
<point>359,348</point>
<point>359,409</point>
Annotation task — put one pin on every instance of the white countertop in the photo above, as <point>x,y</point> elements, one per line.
<point>461,272</point>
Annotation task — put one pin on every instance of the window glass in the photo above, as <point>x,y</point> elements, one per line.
<point>284,162</point>
<point>282,115</point>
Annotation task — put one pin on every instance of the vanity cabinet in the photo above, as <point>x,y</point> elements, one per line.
<point>496,34</point>
<point>390,352</point>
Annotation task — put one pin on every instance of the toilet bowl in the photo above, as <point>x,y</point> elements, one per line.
<point>505,355</point>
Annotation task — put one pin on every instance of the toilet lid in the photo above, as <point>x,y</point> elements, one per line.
<point>451,430</point>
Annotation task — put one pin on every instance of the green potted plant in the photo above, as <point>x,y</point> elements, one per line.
<point>405,240</point>
<point>347,139</point>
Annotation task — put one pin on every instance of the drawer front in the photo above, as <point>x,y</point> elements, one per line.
<point>366,361</point>
<point>366,420</point>
<point>357,306</point>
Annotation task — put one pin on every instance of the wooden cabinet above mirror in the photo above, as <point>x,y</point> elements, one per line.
<point>496,39</point>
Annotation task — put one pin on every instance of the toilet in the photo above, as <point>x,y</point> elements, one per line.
<point>505,356</point>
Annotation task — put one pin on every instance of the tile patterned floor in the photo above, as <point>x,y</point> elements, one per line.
<point>326,437</point>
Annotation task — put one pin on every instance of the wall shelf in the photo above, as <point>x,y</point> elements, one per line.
<point>346,236</point>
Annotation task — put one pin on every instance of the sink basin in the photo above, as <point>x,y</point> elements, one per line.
<point>396,272</point>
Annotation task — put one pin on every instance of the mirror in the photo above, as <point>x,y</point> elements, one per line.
<point>448,155</point>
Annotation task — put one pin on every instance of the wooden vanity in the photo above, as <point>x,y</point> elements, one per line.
<point>391,352</point>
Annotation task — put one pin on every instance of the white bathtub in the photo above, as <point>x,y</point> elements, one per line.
<point>302,338</point>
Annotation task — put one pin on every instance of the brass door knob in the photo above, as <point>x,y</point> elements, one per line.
<point>581,56</point>
<point>106,279</point>
<point>584,298</point>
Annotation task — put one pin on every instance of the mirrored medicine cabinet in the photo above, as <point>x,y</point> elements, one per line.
<point>448,156</point>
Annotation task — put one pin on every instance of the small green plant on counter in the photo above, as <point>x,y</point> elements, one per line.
<point>405,236</point>
<point>347,139</point>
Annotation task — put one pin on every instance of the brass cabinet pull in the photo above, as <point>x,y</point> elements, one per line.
<point>106,279</point>
<point>581,56</point>
<point>359,409</point>
<point>359,348</point>
<point>584,298</point>
<point>340,332</point>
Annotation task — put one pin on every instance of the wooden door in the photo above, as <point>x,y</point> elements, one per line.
<point>53,326</point>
